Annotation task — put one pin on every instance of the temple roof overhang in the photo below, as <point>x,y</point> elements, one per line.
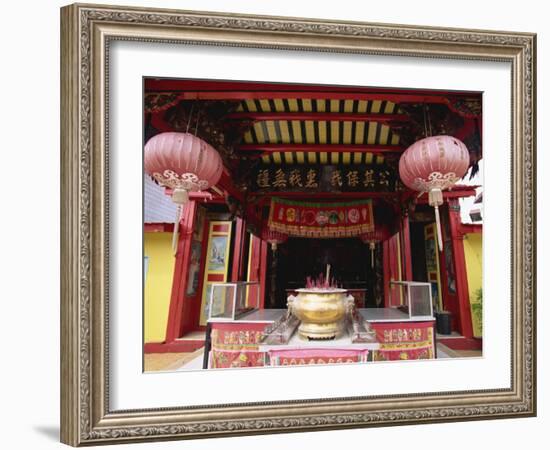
<point>302,141</point>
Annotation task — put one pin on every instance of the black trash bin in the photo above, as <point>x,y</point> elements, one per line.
<point>443,322</point>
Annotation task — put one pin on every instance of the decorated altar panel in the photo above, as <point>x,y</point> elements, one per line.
<point>321,220</point>
<point>241,344</point>
<point>316,356</point>
<point>401,340</point>
<point>236,345</point>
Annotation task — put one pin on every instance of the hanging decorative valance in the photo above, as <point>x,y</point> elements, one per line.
<point>321,220</point>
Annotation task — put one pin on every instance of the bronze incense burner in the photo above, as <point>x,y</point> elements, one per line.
<point>322,311</point>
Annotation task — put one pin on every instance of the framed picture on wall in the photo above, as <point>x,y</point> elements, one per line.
<point>291,187</point>
<point>194,268</point>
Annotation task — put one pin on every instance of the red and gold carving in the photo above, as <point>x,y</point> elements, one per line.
<point>321,220</point>
<point>316,356</point>
<point>402,341</point>
<point>236,345</point>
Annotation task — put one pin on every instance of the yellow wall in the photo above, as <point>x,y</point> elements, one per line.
<point>473,254</point>
<point>158,284</point>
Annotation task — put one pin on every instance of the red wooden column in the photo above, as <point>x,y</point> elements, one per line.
<point>263,272</point>
<point>237,263</point>
<point>191,321</point>
<point>405,241</point>
<point>462,292</point>
<point>387,269</point>
<point>181,267</point>
<point>257,260</point>
<point>392,270</point>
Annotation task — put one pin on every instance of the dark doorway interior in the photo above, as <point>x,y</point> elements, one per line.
<point>349,258</point>
<point>418,251</point>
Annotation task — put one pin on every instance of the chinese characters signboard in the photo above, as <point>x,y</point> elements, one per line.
<point>325,178</point>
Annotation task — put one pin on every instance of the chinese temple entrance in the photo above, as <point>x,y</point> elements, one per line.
<point>310,178</point>
<point>350,262</point>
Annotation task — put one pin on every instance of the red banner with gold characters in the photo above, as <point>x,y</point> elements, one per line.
<point>400,341</point>
<point>236,345</point>
<point>316,356</point>
<point>321,220</point>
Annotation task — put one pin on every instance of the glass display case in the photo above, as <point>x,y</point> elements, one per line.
<point>416,297</point>
<point>229,301</point>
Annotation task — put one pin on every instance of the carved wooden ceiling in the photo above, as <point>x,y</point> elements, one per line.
<point>258,126</point>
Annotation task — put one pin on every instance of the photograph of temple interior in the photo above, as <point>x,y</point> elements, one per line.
<point>296,224</point>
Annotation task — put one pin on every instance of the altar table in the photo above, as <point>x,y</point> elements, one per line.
<point>237,343</point>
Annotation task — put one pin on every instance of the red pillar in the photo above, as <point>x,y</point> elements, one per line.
<point>237,263</point>
<point>462,292</point>
<point>263,272</point>
<point>392,270</point>
<point>387,269</point>
<point>177,300</point>
<point>257,266</point>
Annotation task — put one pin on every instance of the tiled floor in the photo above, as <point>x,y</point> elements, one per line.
<point>193,335</point>
<point>173,361</point>
<point>458,353</point>
<point>154,362</point>
<point>469,353</point>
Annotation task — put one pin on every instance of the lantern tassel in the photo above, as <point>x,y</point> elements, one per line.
<point>435,198</point>
<point>175,234</point>
<point>438,222</point>
<point>179,196</point>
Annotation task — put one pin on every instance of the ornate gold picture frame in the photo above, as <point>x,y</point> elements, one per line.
<point>87,31</point>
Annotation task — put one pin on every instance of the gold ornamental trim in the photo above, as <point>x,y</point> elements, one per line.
<point>87,32</point>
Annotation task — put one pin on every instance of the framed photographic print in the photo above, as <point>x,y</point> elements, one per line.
<point>262,215</point>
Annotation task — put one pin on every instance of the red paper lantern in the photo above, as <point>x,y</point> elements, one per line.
<point>273,237</point>
<point>432,165</point>
<point>182,162</point>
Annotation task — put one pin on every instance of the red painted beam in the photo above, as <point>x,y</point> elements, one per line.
<point>318,148</point>
<point>226,184</point>
<point>200,196</point>
<point>262,116</point>
<point>465,187</point>
<point>158,227</point>
<point>325,195</point>
<point>187,85</point>
<point>321,95</point>
<point>459,193</point>
<point>466,228</point>
<point>216,201</point>
<point>358,194</point>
